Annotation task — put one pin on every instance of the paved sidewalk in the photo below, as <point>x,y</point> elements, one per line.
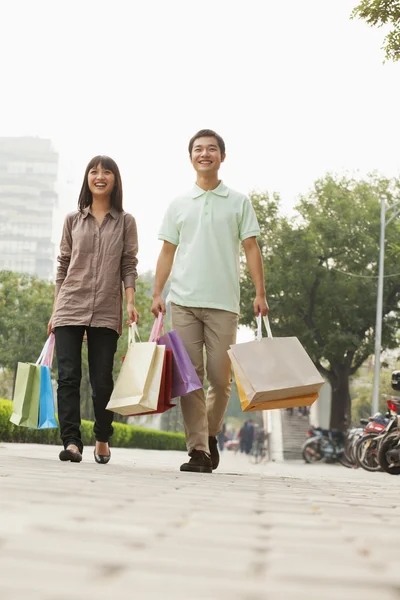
<point>138,528</point>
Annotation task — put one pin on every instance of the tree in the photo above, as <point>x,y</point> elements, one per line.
<point>321,268</point>
<point>361,389</point>
<point>25,306</point>
<point>378,13</point>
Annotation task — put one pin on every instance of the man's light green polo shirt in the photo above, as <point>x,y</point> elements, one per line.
<point>208,227</point>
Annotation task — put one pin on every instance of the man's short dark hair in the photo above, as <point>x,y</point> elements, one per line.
<point>207,133</point>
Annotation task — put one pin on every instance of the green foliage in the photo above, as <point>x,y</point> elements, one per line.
<point>321,269</point>
<point>125,436</point>
<point>361,389</point>
<point>25,308</point>
<point>234,410</point>
<point>6,383</point>
<point>378,13</point>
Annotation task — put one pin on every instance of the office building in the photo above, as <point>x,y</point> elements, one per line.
<point>28,174</point>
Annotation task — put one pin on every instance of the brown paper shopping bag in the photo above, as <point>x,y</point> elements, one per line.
<point>274,373</point>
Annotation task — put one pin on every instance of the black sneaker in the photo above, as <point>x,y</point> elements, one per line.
<point>213,443</point>
<point>200,462</point>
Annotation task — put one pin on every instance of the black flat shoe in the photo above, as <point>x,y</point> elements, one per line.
<point>101,459</point>
<point>66,455</point>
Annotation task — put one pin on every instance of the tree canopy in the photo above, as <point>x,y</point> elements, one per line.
<point>321,270</point>
<point>378,13</point>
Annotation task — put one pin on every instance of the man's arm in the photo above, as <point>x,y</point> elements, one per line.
<point>163,270</point>
<point>255,264</point>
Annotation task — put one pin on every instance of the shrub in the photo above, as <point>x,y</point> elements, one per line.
<point>125,436</point>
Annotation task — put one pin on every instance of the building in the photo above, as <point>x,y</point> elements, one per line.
<point>28,174</point>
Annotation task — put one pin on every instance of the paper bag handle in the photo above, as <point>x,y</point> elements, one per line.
<point>259,327</point>
<point>158,328</point>
<point>133,332</point>
<point>46,355</point>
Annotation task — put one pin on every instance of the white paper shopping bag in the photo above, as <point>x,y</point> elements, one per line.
<point>138,385</point>
<point>274,372</point>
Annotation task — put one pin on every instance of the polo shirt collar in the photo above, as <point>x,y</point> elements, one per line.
<point>113,212</point>
<point>221,190</point>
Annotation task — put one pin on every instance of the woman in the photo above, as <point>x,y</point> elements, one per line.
<point>97,253</point>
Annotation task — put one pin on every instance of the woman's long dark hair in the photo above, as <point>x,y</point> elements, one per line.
<point>85,196</point>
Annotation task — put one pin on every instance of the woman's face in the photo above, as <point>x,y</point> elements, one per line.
<point>101,181</point>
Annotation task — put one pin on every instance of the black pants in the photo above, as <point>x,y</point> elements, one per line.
<point>102,344</point>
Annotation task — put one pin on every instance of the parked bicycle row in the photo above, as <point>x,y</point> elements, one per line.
<point>374,445</point>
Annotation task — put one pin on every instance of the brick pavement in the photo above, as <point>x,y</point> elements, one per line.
<point>138,528</point>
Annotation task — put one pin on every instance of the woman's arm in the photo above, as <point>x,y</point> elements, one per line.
<point>133,316</point>
<point>129,266</point>
<point>63,259</point>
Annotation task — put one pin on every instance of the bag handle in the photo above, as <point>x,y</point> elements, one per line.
<point>158,328</point>
<point>46,355</point>
<point>259,327</point>
<point>133,332</point>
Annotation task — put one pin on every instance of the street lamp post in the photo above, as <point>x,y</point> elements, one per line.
<point>379,301</point>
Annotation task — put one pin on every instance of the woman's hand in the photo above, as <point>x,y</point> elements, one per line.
<point>133,316</point>
<point>50,326</point>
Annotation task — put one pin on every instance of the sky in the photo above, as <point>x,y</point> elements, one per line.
<point>295,88</point>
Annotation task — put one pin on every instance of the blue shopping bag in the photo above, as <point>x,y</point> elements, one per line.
<point>47,415</point>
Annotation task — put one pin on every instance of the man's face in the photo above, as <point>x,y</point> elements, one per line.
<point>206,156</point>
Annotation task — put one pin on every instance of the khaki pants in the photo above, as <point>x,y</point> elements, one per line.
<point>213,330</point>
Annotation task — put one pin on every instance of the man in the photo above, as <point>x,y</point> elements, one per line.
<point>204,228</point>
<point>246,436</point>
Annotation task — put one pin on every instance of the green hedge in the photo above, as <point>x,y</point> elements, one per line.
<point>125,436</point>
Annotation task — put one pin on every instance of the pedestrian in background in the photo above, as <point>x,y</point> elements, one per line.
<point>222,438</point>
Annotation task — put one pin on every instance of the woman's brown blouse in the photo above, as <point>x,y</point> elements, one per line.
<point>93,263</point>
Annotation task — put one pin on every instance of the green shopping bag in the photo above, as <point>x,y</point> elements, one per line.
<point>26,396</point>
<point>33,381</point>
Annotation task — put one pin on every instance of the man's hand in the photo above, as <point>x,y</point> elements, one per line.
<point>133,316</point>
<point>261,306</point>
<point>158,305</point>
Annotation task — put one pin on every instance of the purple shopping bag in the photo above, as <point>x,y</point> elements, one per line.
<point>184,376</point>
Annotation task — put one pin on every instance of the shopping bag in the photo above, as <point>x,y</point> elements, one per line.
<point>137,387</point>
<point>184,376</point>
<point>274,372</point>
<point>164,398</point>
<point>28,389</point>
<point>47,416</point>
<point>26,396</point>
